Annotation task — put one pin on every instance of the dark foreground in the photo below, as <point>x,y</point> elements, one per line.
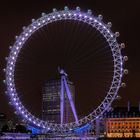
<point>119,139</point>
<point>25,136</point>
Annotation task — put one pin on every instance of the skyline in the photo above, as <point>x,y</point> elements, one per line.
<point>119,24</point>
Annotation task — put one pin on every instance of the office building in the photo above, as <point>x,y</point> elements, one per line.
<point>51,102</point>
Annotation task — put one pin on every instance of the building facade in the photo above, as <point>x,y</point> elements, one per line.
<point>123,127</point>
<point>51,102</point>
<point>123,122</point>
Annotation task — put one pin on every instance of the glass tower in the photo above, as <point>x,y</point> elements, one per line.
<point>51,102</point>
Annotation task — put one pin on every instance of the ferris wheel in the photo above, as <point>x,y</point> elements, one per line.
<point>67,15</point>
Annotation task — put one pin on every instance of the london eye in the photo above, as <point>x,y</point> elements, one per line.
<point>82,42</point>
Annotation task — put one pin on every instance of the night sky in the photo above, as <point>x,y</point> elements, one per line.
<point>124,16</point>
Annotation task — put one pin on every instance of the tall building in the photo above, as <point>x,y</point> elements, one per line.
<point>51,102</point>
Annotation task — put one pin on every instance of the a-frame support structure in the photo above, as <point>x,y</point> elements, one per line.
<point>65,87</point>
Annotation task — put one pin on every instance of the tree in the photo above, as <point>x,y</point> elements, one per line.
<point>5,128</point>
<point>21,128</point>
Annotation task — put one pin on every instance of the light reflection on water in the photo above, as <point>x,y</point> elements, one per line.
<point>28,138</point>
<point>25,136</point>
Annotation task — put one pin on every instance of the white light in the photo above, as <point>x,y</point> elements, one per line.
<point>34,122</point>
<point>95,20</point>
<point>104,27</point>
<point>38,24</point>
<point>10,79</point>
<point>22,112</point>
<point>29,119</point>
<point>15,53</point>
<point>43,21</point>
<point>17,48</point>
<point>23,39</point>
<point>64,14</point>
<point>111,35</point>
<point>30,30</point>
<point>53,17</point>
<point>10,84</point>
<point>69,14</point>
<point>85,16</point>
<point>80,15</point>
<point>26,116</point>
<point>17,104</point>
<point>10,68</point>
<point>13,95</point>
<point>14,99</point>
<point>34,27</point>
<point>48,19</point>
<point>11,63</point>
<point>43,126</point>
<point>11,89</point>
<point>58,15</point>
<point>91,18</point>
<point>19,108</point>
<point>19,43</point>
<point>97,117</point>
<point>13,58</point>
<point>108,31</point>
<point>74,14</point>
<point>10,73</point>
<point>26,34</point>
<point>100,23</point>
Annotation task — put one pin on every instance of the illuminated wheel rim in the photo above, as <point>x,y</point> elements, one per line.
<point>66,14</point>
